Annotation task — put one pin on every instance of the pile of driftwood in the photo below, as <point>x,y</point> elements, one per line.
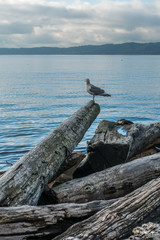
<point>55,193</point>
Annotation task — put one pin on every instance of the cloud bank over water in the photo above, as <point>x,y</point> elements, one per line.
<point>34,23</point>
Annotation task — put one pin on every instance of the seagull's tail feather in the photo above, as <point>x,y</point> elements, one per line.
<point>106,95</point>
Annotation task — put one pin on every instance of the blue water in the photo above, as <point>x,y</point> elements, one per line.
<point>38,92</point>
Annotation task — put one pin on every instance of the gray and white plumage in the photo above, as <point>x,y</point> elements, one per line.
<point>95,91</point>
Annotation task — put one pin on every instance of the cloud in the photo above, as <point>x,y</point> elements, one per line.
<point>15,28</point>
<point>69,23</point>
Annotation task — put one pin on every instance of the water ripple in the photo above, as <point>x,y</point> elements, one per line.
<point>37,93</point>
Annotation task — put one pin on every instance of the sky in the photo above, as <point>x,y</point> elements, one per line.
<point>66,23</point>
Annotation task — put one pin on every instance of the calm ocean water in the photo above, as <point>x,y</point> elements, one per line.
<point>38,92</point>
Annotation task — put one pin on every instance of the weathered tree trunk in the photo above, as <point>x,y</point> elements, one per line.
<point>110,183</point>
<point>24,182</point>
<point>115,143</point>
<point>117,221</point>
<point>44,222</point>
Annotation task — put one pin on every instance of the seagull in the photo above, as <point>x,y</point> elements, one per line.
<point>95,91</point>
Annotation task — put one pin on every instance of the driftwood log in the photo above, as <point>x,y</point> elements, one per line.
<point>45,222</point>
<point>117,221</point>
<point>118,142</point>
<point>24,182</point>
<point>110,183</point>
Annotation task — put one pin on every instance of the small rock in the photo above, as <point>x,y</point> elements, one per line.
<point>148,231</point>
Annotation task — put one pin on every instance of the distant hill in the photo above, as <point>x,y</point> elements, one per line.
<point>106,49</point>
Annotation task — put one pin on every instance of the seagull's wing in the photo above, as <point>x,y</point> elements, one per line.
<point>96,90</point>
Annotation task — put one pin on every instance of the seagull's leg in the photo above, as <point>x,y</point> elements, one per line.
<point>93,98</point>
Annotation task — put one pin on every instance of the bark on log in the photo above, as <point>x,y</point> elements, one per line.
<point>32,222</point>
<point>110,183</point>
<point>24,182</point>
<point>117,142</point>
<point>117,221</point>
